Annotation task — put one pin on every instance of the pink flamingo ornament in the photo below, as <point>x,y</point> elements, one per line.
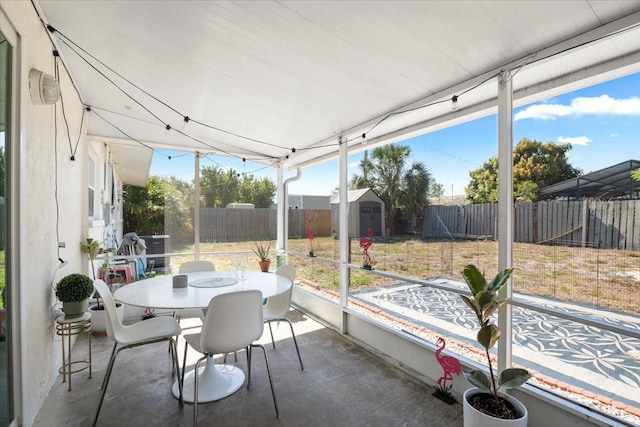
<point>310,236</point>
<point>365,244</point>
<point>450,365</point>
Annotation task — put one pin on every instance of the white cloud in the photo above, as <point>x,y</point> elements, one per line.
<point>613,135</point>
<point>574,140</point>
<point>543,112</point>
<point>603,104</point>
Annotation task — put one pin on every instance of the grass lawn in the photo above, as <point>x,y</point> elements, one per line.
<point>596,277</point>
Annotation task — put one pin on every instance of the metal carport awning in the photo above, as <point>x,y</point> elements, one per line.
<point>612,182</point>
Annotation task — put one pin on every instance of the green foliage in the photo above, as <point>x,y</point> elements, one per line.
<point>484,302</point>
<point>220,187</point>
<point>635,174</point>
<point>162,206</point>
<point>74,287</point>
<point>436,190</point>
<point>404,187</point>
<point>149,313</point>
<point>90,247</point>
<point>262,250</point>
<point>535,166</point>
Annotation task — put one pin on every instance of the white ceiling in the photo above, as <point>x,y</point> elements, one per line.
<point>270,76</point>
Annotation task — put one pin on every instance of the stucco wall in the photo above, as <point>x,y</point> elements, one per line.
<point>52,196</point>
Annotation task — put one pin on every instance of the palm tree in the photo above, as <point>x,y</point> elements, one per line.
<point>403,189</point>
<point>417,183</point>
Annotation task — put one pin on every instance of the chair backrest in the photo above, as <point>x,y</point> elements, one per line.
<point>288,271</point>
<point>233,321</point>
<point>279,305</point>
<point>195,266</point>
<point>114,326</point>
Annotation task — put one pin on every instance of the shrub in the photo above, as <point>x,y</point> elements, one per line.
<point>74,287</point>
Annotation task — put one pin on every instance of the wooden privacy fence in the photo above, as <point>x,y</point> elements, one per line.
<point>233,225</point>
<point>611,224</point>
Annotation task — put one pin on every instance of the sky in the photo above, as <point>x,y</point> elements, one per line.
<point>601,122</point>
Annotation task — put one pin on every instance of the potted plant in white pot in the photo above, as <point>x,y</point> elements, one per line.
<point>485,405</point>
<point>74,291</point>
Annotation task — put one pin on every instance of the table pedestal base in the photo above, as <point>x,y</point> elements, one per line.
<point>215,382</point>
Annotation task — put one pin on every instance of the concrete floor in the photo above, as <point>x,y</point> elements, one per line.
<point>342,385</point>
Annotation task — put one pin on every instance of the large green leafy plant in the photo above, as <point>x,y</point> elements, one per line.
<point>484,302</point>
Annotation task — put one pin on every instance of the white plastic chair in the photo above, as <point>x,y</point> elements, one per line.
<point>232,323</point>
<point>193,267</point>
<point>277,307</point>
<point>148,331</point>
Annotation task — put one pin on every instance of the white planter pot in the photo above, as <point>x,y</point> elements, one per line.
<point>475,418</point>
<point>132,313</point>
<point>99,318</point>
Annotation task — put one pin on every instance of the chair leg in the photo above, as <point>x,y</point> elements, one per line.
<point>184,362</point>
<point>176,368</point>
<point>273,342</point>
<point>175,316</point>
<point>273,391</point>
<point>111,359</point>
<point>235,356</point>
<point>248,367</point>
<point>105,382</point>
<point>295,342</point>
<point>173,351</point>
<point>195,390</point>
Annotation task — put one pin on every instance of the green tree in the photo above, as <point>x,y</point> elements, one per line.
<point>264,191</point>
<point>403,186</point>
<point>535,165</point>
<point>483,187</point>
<point>635,174</point>
<point>436,189</point>
<point>221,187</point>
<point>415,193</point>
<point>162,206</point>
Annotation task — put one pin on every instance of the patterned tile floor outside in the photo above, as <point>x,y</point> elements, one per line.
<point>600,361</point>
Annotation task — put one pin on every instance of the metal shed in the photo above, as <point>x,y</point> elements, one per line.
<point>366,210</point>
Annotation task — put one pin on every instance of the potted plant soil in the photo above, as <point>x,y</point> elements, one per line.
<point>74,291</point>
<point>485,405</point>
<point>262,251</point>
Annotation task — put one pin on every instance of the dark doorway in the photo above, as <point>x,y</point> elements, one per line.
<point>371,216</point>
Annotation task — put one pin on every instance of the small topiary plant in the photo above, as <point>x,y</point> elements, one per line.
<point>74,288</point>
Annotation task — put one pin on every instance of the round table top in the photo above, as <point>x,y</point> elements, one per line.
<point>158,292</point>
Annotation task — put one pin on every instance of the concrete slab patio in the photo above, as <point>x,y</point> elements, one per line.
<point>342,385</point>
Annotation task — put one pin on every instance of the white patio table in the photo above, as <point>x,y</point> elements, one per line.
<point>216,381</point>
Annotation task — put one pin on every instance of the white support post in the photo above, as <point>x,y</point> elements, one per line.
<point>196,207</point>
<point>343,215</point>
<point>505,210</point>
<point>281,210</point>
